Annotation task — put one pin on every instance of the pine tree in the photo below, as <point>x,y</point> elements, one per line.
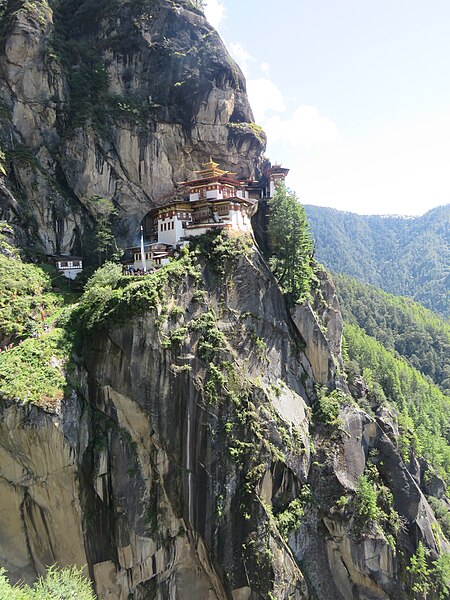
<point>290,244</point>
<point>104,213</point>
<point>420,573</point>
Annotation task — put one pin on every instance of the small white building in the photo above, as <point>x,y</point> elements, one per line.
<point>275,175</point>
<point>172,221</point>
<point>69,266</point>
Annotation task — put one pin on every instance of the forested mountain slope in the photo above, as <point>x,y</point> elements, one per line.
<point>404,256</point>
<point>400,324</point>
<point>424,411</point>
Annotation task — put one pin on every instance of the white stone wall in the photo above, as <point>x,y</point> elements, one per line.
<point>272,188</point>
<point>214,194</point>
<point>198,231</point>
<point>173,231</point>
<point>239,220</point>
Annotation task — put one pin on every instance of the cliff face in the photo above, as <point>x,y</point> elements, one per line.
<point>206,446</point>
<point>197,461</point>
<point>112,99</point>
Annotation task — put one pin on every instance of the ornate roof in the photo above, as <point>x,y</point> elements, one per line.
<point>211,171</point>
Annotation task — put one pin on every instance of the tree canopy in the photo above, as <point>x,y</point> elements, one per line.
<point>290,244</point>
<point>424,410</point>
<point>400,324</point>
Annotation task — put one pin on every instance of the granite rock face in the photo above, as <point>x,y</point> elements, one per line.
<point>176,476</point>
<point>191,459</point>
<point>120,100</point>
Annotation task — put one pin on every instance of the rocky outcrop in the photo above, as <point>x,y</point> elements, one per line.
<point>205,447</point>
<point>317,347</point>
<point>157,478</point>
<point>40,488</point>
<point>361,561</point>
<point>320,324</point>
<point>120,100</point>
<point>191,463</point>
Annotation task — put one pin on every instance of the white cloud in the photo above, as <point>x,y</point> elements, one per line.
<point>264,98</point>
<point>215,12</point>
<point>241,56</point>
<point>401,169</point>
<point>265,68</point>
<point>305,127</point>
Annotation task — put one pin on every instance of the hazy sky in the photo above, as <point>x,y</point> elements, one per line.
<point>354,96</point>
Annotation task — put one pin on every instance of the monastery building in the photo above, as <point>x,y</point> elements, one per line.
<point>214,200</point>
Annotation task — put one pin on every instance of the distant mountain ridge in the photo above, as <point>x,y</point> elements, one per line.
<point>403,256</point>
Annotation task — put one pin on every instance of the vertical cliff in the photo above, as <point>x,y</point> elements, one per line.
<point>201,441</point>
<point>112,99</point>
<point>195,456</point>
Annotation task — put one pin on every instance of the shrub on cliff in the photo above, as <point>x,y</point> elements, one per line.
<point>65,584</point>
<point>25,298</point>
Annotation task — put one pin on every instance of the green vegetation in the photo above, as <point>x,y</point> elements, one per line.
<point>35,371</point>
<point>440,576</point>
<point>403,256</point>
<point>249,128</point>
<point>327,407</point>
<point>25,298</point>
<point>104,213</point>
<point>6,232</point>
<point>111,298</point>
<point>64,584</point>
<point>40,10</point>
<point>33,367</point>
<point>420,572</point>
<point>222,251</point>
<point>428,580</point>
<point>197,4</point>
<point>211,339</point>
<point>373,506</point>
<point>2,154</point>
<point>290,244</point>
<point>442,514</point>
<point>400,324</point>
<point>23,155</point>
<point>366,500</point>
<point>83,49</point>
<point>82,61</point>
<point>289,519</point>
<point>424,410</point>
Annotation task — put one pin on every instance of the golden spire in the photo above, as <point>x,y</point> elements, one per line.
<point>211,170</point>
